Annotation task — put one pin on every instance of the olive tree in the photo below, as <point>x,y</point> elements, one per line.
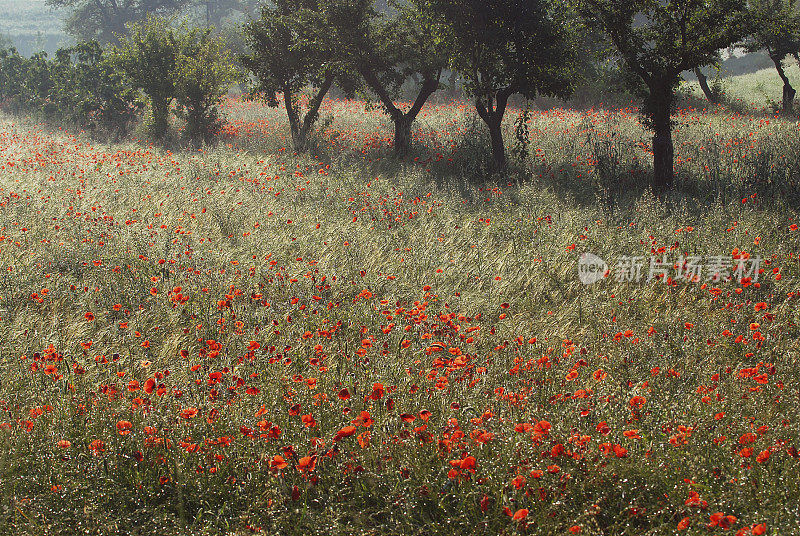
<point>657,41</point>
<point>388,48</point>
<point>289,51</point>
<point>775,28</point>
<point>506,47</point>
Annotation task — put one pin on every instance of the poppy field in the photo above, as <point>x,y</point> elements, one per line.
<point>239,340</point>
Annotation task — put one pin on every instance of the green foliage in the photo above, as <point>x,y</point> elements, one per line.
<point>107,20</point>
<point>99,91</point>
<point>290,49</point>
<point>148,55</point>
<point>168,63</point>
<point>79,86</point>
<point>774,27</point>
<point>203,73</point>
<point>387,49</point>
<point>509,46</point>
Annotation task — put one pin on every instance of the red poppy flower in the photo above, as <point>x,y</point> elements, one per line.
<point>347,431</point>
<point>189,413</point>
<point>307,463</point>
<point>377,391</point>
<point>124,427</point>
<point>278,462</point>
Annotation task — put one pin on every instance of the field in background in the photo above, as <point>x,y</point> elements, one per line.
<point>757,89</point>
<point>32,26</point>
<point>243,340</point>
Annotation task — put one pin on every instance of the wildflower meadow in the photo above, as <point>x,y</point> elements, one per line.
<point>240,339</point>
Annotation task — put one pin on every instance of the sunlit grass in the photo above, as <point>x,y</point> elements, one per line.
<point>282,296</point>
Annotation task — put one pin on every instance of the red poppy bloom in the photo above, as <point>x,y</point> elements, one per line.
<point>278,462</point>
<point>363,419</point>
<point>377,391</point>
<point>347,431</point>
<point>307,463</point>
<point>124,427</point>
<point>189,413</point>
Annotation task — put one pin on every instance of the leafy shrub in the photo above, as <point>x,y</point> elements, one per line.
<point>79,86</point>
<point>168,63</point>
<point>148,55</point>
<point>203,74</point>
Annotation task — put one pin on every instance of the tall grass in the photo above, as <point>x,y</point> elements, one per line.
<point>280,296</point>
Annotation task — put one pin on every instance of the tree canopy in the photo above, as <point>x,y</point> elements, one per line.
<point>105,20</point>
<point>503,47</point>
<point>657,41</point>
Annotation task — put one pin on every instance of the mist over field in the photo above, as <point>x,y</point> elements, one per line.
<point>419,267</point>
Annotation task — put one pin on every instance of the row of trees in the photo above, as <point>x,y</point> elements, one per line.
<point>497,48</point>
<point>78,86</point>
<point>100,89</point>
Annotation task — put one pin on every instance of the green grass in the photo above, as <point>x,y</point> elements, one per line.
<point>457,294</point>
<point>758,90</point>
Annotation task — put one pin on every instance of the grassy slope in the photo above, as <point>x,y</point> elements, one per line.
<point>270,247</point>
<point>757,89</point>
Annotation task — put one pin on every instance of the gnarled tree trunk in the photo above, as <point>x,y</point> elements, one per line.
<point>402,135</point>
<point>663,150</point>
<point>402,121</point>
<point>702,79</point>
<point>492,114</point>
<point>160,116</point>
<point>301,128</point>
<point>788,91</point>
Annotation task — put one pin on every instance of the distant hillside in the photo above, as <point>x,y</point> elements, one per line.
<point>32,26</point>
<point>757,88</point>
<point>748,63</point>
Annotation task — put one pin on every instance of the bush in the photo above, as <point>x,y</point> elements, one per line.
<point>104,96</point>
<point>203,74</point>
<point>148,55</point>
<point>168,63</point>
<point>79,86</point>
